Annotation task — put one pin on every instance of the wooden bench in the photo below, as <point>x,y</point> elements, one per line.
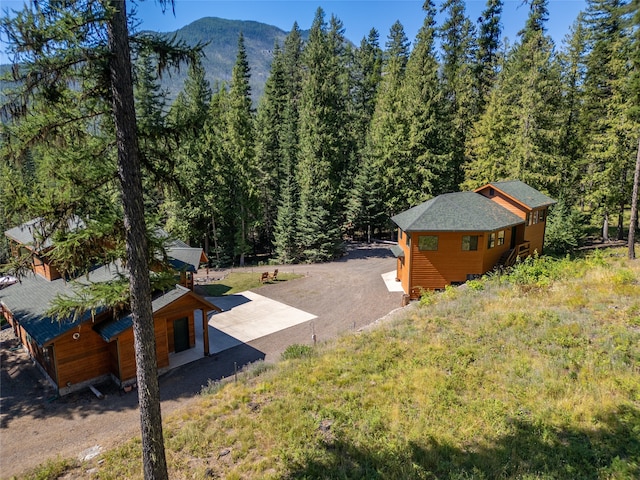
<point>275,275</point>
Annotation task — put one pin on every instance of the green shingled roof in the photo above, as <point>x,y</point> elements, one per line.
<point>456,212</point>
<point>29,233</point>
<point>525,194</point>
<point>29,300</point>
<point>184,259</point>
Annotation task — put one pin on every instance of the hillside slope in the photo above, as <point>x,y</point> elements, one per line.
<point>531,375</point>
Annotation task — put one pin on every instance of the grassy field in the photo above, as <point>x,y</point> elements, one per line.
<point>236,282</point>
<point>532,375</point>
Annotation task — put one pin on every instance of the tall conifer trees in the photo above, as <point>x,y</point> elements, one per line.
<point>324,141</point>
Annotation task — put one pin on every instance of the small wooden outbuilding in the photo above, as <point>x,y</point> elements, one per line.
<point>457,236</point>
<point>75,353</point>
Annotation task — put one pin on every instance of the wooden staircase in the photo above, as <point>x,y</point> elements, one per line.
<point>508,258</point>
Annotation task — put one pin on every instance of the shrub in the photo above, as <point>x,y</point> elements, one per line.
<point>565,229</point>
<point>297,351</point>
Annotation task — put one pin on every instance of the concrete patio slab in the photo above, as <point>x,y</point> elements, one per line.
<point>247,316</point>
<point>390,281</point>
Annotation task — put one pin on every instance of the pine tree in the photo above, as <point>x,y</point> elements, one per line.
<point>286,226</point>
<point>74,82</point>
<point>488,52</point>
<point>387,146</point>
<point>517,136</point>
<point>238,143</point>
<point>459,98</point>
<point>269,128</point>
<point>428,170</point>
<point>187,209</point>
<point>572,139</point>
<point>363,209</point>
<point>324,142</point>
<point>609,129</point>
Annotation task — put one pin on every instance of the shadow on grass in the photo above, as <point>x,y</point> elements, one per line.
<point>212,290</point>
<point>612,450</point>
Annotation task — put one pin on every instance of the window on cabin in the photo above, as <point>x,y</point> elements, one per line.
<point>469,242</point>
<point>527,220</point>
<point>428,242</point>
<point>492,240</point>
<point>542,213</point>
<point>535,217</point>
<point>501,237</point>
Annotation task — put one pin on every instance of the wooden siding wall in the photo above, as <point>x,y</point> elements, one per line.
<point>404,264</point>
<point>509,204</point>
<point>171,341</point>
<point>126,350</point>
<point>535,235</point>
<point>81,359</point>
<point>36,352</point>
<point>43,268</point>
<point>492,255</point>
<point>437,269</point>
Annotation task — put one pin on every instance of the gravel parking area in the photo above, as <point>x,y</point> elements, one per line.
<point>345,295</point>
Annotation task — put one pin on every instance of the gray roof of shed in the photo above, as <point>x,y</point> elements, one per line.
<point>456,212</point>
<point>523,193</point>
<point>30,233</point>
<point>184,259</point>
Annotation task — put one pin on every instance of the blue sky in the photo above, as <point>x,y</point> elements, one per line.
<point>357,16</point>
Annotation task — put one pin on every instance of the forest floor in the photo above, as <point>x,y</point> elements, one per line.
<point>36,425</point>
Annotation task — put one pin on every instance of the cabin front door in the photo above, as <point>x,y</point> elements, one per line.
<point>181,334</point>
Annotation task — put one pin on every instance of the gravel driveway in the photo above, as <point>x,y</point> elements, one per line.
<point>35,425</point>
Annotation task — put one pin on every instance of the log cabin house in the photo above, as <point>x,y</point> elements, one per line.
<point>458,236</point>
<point>74,354</point>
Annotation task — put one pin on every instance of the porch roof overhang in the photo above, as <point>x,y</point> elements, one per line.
<point>110,329</point>
<point>397,251</point>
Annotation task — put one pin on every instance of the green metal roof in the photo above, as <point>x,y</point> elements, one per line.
<point>525,194</point>
<point>457,212</point>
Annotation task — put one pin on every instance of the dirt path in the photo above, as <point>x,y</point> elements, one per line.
<point>34,425</point>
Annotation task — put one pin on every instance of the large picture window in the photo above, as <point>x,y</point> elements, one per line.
<point>428,242</point>
<point>469,242</point>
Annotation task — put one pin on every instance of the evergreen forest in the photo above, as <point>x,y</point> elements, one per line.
<point>344,136</point>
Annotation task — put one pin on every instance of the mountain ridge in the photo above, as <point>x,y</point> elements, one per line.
<point>220,37</point>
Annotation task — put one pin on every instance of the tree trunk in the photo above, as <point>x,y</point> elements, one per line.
<point>605,227</point>
<point>153,455</point>
<point>634,208</point>
<point>215,239</point>
<point>620,234</point>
